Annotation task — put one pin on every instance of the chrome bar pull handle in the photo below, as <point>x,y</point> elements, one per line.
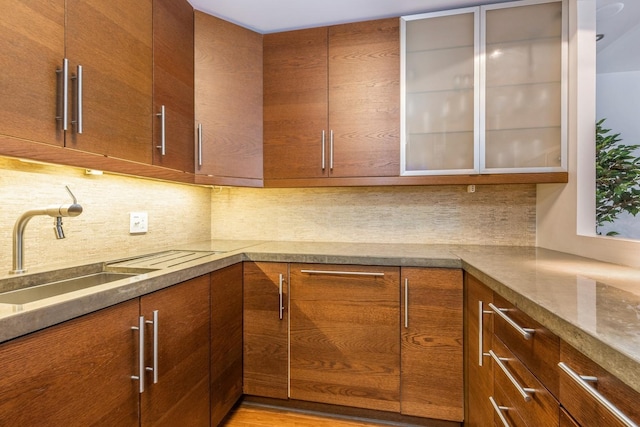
<point>199,144</point>
<point>141,370</point>
<point>163,140</point>
<point>526,333</point>
<point>524,391</point>
<point>323,151</point>
<point>342,273</point>
<point>280,298</point>
<point>481,313</point>
<point>331,150</point>
<point>77,121</point>
<point>154,368</point>
<point>63,116</point>
<point>406,303</point>
<point>499,410</point>
<point>582,381</point>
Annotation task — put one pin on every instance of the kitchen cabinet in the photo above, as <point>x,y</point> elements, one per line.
<point>180,395</point>
<point>266,329</point>
<point>478,367</point>
<point>31,49</point>
<point>87,371</point>
<point>75,373</point>
<point>112,43</point>
<point>331,98</point>
<point>226,340</point>
<point>431,381</point>
<point>344,335</point>
<point>173,86</point>
<point>484,90</point>
<point>593,396</point>
<point>228,103</point>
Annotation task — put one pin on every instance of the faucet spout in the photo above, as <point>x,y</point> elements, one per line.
<point>56,211</point>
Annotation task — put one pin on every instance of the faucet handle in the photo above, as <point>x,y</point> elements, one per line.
<point>75,201</point>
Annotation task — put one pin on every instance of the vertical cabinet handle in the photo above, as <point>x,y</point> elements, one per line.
<point>154,368</point>
<point>63,104</point>
<point>584,385</point>
<point>331,150</point>
<point>481,313</point>
<point>199,144</point>
<point>77,121</point>
<point>526,333</point>
<point>524,391</point>
<point>141,369</point>
<point>499,410</point>
<point>406,303</point>
<point>163,140</point>
<point>280,298</point>
<point>323,151</point>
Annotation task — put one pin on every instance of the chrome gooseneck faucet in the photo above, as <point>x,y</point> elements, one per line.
<point>68,210</point>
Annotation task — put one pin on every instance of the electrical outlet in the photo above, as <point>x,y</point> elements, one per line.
<point>138,222</point>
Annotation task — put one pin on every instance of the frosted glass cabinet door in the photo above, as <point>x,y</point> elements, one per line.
<point>439,92</point>
<point>523,125</point>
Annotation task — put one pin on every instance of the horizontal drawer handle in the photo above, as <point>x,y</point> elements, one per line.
<point>527,333</point>
<point>524,391</point>
<point>499,410</point>
<point>343,273</point>
<point>582,382</point>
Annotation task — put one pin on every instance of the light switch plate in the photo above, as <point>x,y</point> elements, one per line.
<point>138,222</point>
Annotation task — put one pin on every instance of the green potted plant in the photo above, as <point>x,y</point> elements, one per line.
<point>617,178</point>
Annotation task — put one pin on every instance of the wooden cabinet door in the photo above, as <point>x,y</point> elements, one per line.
<point>364,98</point>
<point>173,74</point>
<point>432,365</point>
<point>181,395</point>
<point>345,339</point>
<point>265,329</point>
<point>31,49</point>
<point>112,41</point>
<point>295,104</point>
<point>226,340</point>
<point>77,373</point>
<point>478,368</point>
<point>228,101</point>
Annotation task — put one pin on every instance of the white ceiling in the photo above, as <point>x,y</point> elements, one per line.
<point>619,22</point>
<point>269,16</point>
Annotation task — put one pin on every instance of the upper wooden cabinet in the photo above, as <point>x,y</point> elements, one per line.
<point>111,43</point>
<point>484,90</point>
<point>173,68</point>
<point>228,103</point>
<point>31,49</point>
<point>331,102</point>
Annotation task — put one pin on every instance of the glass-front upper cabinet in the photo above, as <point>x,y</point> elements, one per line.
<point>484,89</point>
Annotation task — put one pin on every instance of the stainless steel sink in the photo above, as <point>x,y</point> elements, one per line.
<point>47,290</point>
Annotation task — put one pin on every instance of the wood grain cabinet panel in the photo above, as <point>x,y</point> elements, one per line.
<point>173,84</point>
<point>77,373</point>
<point>432,363</point>
<point>31,49</point>
<point>181,395</point>
<point>112,41</point>
<point>226,340</point>
<point>228,102</point>
<point>345,337</point>
<point>265,329</point>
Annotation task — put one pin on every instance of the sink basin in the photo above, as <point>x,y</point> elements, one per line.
<point>47,290</point>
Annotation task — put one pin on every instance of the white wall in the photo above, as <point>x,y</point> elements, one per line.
<point>566,212</point>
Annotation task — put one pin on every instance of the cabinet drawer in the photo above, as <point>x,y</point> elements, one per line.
<point>525,394</point>
<point>539,350</point>
<point>590,408</point>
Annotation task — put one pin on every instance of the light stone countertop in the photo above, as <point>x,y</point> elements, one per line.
<point>594,306</point>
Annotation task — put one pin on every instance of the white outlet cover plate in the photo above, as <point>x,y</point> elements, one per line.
<point>138,222</point>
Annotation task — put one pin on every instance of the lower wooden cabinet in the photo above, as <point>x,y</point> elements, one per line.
<point>77,373</point>
<point>226,340</point>
<point>345,337</point>
<point>266,329</point>
<point>431,353</point>
<point>80,372</point>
